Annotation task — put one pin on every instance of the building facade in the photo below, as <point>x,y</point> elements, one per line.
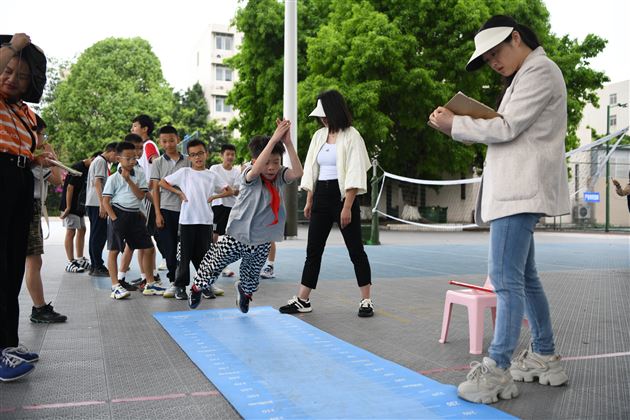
<point>217,43</point>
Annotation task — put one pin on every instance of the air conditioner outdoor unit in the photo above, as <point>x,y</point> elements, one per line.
<point>583,212</point>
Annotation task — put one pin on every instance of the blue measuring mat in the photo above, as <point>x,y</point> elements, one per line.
<point>275,366</point>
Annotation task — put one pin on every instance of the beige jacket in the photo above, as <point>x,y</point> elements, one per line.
<point>525,170</point>
<point>352,161</point>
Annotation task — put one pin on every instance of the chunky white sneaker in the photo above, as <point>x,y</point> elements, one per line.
<point>267,272</point>
<point>486,383</point>
<point>530,365</point>
<point>119,292</point>
<point>217,290</point>
<point>170,292</point>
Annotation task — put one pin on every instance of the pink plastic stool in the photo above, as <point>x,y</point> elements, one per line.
<point>477,302</point>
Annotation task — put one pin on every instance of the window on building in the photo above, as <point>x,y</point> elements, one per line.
<point>223,73</point>
<point>613,99</point>
<point>612,121</point>
<point>220,104</point>
<point>224,41</point>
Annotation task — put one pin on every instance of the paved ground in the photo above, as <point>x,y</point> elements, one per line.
<point>112,360</point>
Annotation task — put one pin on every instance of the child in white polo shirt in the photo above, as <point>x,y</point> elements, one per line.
<point>122,195</point>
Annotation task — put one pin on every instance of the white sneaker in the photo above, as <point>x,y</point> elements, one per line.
<point>267,272</point>
<point>119,292</point>
<point>162,266</point>
<point>170,292</point>
<point>530,365</point>
<point>217,290</point>
<point>486,383</point>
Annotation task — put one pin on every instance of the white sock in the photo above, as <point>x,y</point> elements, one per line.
<point>155,273</point>
<point>121,275</point>
<point>270,263</point>
<point>143,276</point>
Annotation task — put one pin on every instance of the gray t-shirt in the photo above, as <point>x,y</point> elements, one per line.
<point>98,169</point>
<point>161,168</point>
<point>251,217</point>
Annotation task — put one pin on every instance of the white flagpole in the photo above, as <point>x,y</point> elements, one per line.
<point>290,104</point>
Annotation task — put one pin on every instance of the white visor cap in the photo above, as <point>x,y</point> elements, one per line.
<point>318,111</point>
<point>484,42</point>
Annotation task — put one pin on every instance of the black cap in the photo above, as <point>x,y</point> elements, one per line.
<point>36,60</point>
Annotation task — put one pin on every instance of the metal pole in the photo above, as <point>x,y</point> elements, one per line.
<point>374,239</point>
<point>607,224</point>
<point>290,105</point>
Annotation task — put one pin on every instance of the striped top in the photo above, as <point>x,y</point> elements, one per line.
<point>17,129</point>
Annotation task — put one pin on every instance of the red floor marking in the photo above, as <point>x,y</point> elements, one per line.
<point>62,405</point>
<point>570,358</point>
<point>7,409</point>
<point>597,356</point>
<point>204,394</point>
<point>150,398</point>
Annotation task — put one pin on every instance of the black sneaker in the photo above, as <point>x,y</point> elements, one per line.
<point>46,315</point>
<point>208,293</point>
<point>99,272</point>
<point>242,298</point>
<point>195,297</point>
<point>127,286</point>
<point>180,294</point>
<point>295,305</point>
<point>366,309</point>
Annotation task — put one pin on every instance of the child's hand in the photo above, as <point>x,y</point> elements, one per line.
<point>281,130</point>
<point>617,185</point>
<point>182,196</point>
<point>229,190</point>
<point>125,174</point>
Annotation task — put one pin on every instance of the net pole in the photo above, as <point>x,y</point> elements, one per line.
<point>374,234</point>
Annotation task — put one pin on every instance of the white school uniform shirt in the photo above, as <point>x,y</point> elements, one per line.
<point>224,178</point>
<point>198,187</point>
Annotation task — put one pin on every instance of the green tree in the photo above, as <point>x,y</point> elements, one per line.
<point>394,61</point>
<point>111,82</point>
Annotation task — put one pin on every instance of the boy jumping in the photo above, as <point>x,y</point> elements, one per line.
<point>256,219</point>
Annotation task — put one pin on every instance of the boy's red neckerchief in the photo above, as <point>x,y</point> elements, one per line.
<point>275,198</point>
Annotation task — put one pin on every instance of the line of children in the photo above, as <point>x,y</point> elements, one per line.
<point>256,219</point>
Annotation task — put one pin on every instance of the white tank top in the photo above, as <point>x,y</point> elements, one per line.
<point>327,161</point>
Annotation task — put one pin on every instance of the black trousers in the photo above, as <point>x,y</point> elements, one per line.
<point>16,211</point>
<point>195,241</point>
<point>167,241</point>
<point>326,210</point>
<point>98,236</point>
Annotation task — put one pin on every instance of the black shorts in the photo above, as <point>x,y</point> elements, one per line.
<point>129,228</point>
<point>220,218</point>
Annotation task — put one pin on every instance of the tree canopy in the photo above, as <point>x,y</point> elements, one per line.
<point>112,82</point>
<point>394,61</point>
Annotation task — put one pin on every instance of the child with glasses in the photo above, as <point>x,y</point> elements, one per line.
<point>196,188</point>
<point>123,192</point>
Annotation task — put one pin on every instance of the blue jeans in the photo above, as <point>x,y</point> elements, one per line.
<point>513,274</point>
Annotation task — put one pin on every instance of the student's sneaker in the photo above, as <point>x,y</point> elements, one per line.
<point>208,293</point>
<point>22,353</point>
<point>46,315</point>
<point>74,267</point>
<point>486,383</point>
<point>195,296</point>
<point>217,290</point>
<point>170,292</point>
<point>530,365</point>
<point>242,298</point>
<point>227,273</point>
<point>99,272</point>
<point>267,272</point>
<point>366,308</point>
<point>162,266</point>
<point>84,263</point>
<point>295,305</point>
<point>12,367</point>
<point>127,286</point>
<point>119,292</point>
<point>154,288</point>
<point>181,294</point>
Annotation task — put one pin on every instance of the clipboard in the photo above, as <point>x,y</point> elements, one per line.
<point>460,104</point>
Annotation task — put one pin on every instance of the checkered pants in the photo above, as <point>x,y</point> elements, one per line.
<point>224,253</point>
